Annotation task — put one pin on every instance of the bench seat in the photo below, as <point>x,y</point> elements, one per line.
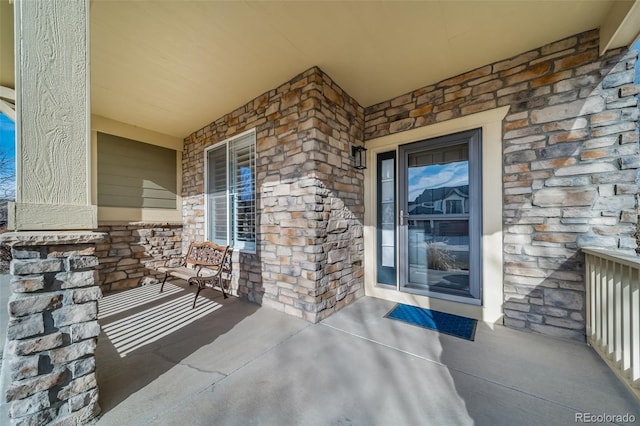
<point>185,272</point>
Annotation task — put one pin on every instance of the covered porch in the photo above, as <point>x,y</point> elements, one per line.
<point>159,124</point>
<point>243,364</point>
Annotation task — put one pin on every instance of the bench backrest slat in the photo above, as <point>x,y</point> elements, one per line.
<point>207,254</point>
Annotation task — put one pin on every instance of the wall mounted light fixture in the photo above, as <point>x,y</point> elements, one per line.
<point>359,156</point>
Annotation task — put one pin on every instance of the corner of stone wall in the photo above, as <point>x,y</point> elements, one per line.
<point>53,329</point>
<point>343,280</point>
<point>309,197</point>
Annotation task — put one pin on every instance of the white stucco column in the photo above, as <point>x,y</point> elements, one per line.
<point>52,117</point>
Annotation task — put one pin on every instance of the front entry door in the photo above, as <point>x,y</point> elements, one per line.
<point>440,217</point>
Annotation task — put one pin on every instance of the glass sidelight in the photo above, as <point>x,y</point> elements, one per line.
<point>386,226</point>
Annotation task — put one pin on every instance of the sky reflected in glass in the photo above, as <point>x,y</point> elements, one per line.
<point>8,151</point>
<point>437,176</point>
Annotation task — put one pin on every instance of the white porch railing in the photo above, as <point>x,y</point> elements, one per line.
<point>613,312</point>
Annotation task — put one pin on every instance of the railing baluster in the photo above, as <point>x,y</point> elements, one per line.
<point>589,279</point>
<point>611,309</point>
<point>606,307</point>
<point>598,310</point>
<point>617,313</point>
<point>626,316</point>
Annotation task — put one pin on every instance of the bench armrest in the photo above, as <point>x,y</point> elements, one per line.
<point>227,263</point>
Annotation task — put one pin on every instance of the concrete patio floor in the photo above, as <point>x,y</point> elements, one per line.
<point>242,364</point>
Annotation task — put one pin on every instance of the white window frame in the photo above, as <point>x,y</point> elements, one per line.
<point>226,143</point>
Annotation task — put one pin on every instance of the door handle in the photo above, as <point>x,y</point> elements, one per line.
<point>403,217</point>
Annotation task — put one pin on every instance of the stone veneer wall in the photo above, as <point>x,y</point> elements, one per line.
<point>131,252</point>
<point>52,331</point>
<point>310,203</point>
<point>570,162</point>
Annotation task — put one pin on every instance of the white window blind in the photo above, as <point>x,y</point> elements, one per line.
<point>217,195</point>
<point>231,206</point>
<point>242,159</point>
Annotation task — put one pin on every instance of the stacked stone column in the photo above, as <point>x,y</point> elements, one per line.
<point>52,330</point>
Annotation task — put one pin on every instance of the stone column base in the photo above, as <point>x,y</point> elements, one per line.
<point>53,328</point>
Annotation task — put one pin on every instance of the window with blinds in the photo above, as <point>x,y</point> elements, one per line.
<point>231,205</point>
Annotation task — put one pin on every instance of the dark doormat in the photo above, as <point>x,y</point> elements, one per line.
<point>453,325</point>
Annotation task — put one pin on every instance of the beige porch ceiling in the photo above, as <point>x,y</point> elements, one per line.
<point>175,66</point>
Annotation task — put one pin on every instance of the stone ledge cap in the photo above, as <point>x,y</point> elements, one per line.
<point>138,223</point>
<point>42,238</point>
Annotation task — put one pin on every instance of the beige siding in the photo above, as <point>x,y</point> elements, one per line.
<point>135,174</point>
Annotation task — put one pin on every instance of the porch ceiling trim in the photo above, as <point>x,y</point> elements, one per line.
<point>7,102</point>
<point>621,27</point>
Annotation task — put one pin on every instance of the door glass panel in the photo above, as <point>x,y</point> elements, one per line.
<point>438,181</point>
<point>438,255</point>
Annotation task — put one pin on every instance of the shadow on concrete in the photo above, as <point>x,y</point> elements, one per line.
<point>355,368</point>
<point>503,377</point>
<point>162,333</point>
<point>509,377</point>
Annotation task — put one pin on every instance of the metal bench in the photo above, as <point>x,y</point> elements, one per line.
<point>206,265</point>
